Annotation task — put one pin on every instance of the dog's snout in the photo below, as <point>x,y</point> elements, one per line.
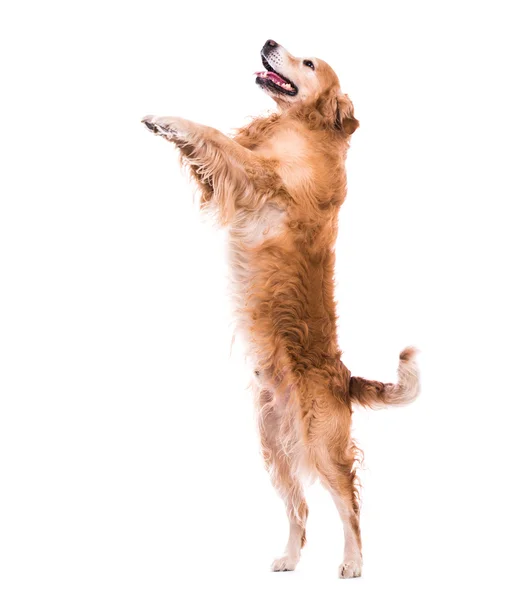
<point>269,47</point>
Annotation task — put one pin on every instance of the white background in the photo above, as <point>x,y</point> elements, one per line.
<point>129,461</point>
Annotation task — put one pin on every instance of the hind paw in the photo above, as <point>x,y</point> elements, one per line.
<point>285,563</point>
<point>348,570</point>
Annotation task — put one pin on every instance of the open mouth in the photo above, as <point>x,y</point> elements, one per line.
<point>274,80</point>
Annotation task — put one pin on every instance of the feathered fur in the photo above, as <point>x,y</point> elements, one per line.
<point>374,394</point>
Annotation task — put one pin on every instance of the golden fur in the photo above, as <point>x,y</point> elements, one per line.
<point>277,186</point>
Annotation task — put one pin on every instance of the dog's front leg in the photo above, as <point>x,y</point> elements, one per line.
<point>231,176</point>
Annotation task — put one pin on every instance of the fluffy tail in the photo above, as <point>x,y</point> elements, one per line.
<point>375,394</point>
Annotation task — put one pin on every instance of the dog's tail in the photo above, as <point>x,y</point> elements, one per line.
<point>374,394</point>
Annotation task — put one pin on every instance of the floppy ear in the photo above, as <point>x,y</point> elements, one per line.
<point>336,112</point>
<point>345,119</point>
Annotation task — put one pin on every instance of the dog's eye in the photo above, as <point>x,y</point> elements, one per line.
<point>309,63</point>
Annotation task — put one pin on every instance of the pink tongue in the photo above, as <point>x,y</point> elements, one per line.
<point>273,76</point>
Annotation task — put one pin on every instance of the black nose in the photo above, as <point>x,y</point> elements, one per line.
<point>271,44</point>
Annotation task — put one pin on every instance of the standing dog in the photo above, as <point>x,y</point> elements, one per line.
<point>277,186</point>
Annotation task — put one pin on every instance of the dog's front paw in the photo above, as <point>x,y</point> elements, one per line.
<point>352,568</point>
<point>172,128</point>
<point>285,563</point>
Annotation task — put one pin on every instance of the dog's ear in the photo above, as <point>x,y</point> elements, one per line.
<point>344,115</point>
<point>338,112</point>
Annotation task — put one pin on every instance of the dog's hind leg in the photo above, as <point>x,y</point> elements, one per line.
<point>284,480</point>
<point>337,473</point>
<point>327,425</point>
<point>230,175</point>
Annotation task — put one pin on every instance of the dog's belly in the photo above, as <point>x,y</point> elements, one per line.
<point>247,236</point>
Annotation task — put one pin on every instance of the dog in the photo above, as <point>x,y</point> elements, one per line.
<point>277,186</point>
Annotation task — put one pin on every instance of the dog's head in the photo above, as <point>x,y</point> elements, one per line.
<point>305,82</point>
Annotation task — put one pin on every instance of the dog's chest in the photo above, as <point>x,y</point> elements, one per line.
<point>253,235</point>
<point>290,150</point>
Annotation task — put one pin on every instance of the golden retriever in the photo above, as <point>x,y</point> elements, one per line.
<point>277,187</point>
